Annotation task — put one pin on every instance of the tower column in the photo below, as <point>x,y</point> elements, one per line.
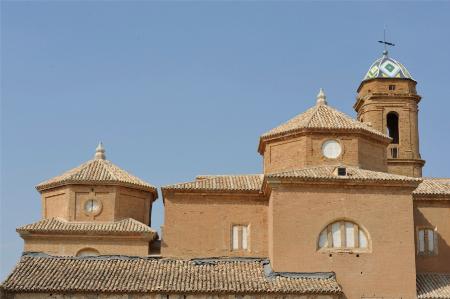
<point>388,100</point>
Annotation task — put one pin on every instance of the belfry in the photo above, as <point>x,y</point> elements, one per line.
<point>387,99</point>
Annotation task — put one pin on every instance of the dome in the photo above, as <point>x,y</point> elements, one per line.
<point>386,67</point>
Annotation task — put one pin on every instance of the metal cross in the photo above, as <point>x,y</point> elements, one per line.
<point>385,42</point>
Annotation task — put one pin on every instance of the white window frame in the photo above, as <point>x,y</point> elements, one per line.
<point>240,237</point>
<point>343,236</point>
<point>427,237</point>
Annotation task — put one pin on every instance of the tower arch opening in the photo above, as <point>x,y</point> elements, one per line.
<point>392,126</point>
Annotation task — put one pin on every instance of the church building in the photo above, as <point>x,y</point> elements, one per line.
<point>340,211</point>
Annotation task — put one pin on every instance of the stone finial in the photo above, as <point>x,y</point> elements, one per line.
<point>100,152</point>
<point>321,98</point>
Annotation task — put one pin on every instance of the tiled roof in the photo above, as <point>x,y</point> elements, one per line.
<point>96,171</point>
<point>119,274</point>
<point>330,173</point>
<point>386,67</point>
<point>58,225</point>
<point>321,116</point>
<point>249,182</point>
<point>433,285</point>
<point>254,182</point>
<point>433,186</point>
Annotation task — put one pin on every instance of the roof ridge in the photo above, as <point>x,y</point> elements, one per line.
<point>148,257</point>
<point>233,183</point>
<point>66,174</point>
<point>297,115</point>
<point>225,175</point>
<point>435,178</point>
<point>312,167</point>
<point>96,170</point>
<point>350,118</point>
<point>314,110</point>
<point>356,173</point>
<point>321,116</point>
<point>129,219</point>
<point>108,164</point>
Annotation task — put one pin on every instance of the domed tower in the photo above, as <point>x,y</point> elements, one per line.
<point>96,208</point>
<point>388,100</point>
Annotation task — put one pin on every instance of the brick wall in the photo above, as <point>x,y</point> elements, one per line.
<point>71,245</point>
<point>199,225</point>
<point>300,213</point>
<point>434,214</point>
<point>375,100</point>
<point>306,151</point>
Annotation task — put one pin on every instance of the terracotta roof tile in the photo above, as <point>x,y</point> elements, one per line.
<point>58,225</point>
<point>118,274</point>
<point>433,285</point>
<point>96,171</point>
<point>321,117</point>
<point>433,186</point>
<point>254,182</point>
<point>250,182</point>
<point>330,173</point>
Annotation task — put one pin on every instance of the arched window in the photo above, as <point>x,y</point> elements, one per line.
<point>343,235</point>
<point>392,126</point>
<point>88,252</point>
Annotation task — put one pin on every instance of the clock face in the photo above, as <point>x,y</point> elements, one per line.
<point>331,149</point>
<point>91,206</point>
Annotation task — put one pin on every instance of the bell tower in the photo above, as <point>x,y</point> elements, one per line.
<point>388,100</point>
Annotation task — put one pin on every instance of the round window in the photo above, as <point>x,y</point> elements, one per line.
<point>331,149</point>
<point>92,206</point>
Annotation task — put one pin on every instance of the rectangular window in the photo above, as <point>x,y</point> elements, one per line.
<point>391,87</point>
<point>421,240</point>
<point>336,233</point>
<point>430,240</point>
<point>235,237</point>
<point>350,234</point>
<point>426,239</point>
<point>245,237</point>
<point>240,237</point>
<point>394,152</point>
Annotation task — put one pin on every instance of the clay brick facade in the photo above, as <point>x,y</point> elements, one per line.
<point>306,151</point>
<point>208,219</point>
<point>300,212</point>
<point>377,98</point>
<point>434,215</point>
<point>116,203</point>
<point>340,211</point>
<point>74,245</point>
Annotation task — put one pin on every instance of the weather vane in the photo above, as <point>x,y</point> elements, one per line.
<point>385,43</point>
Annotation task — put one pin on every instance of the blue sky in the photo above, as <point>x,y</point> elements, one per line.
<point>177,89</point>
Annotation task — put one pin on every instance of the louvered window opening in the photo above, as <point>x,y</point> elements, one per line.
<point>343,235</point>
<point>426,241</point>
<point>239,237</point>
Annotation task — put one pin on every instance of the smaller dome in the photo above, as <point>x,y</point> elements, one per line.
<point>386,67</point>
